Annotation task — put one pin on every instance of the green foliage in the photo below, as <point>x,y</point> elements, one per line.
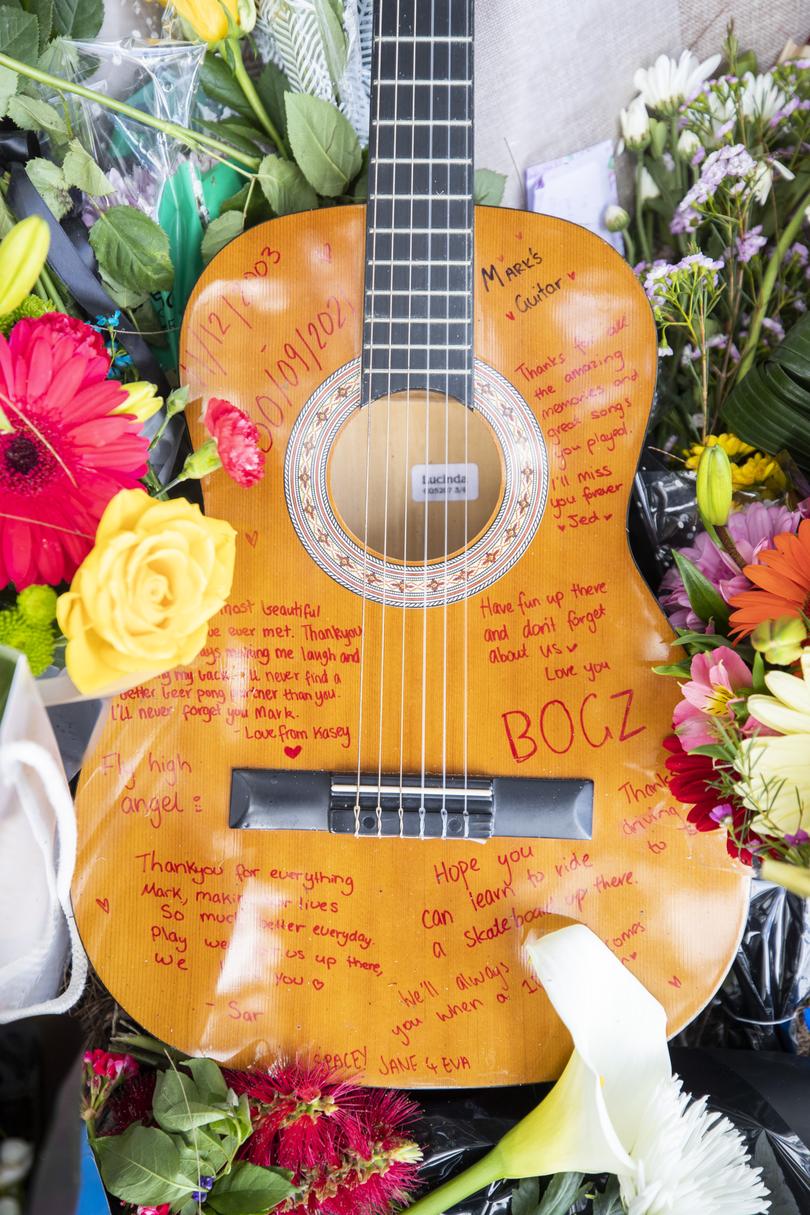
<point>81,170</point>
<point>248,1189</point>
<point>220,232</point>
<point>219,83</point>
<point>323,142</point>
<point>285,187</point>
<point>32,114</point>
<point>19,34</point>
<point>559,1196</point>
<point>143,1165</point>
<point>132,250</point>
<point>705,601</point>
<point>770,407</point>
<point>272,86</point>
<point>77,18</point>
<point>488,188</point>
<point>50,181</point>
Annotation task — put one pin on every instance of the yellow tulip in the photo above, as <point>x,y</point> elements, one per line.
<point>142,400</point>
<point>22,255</point>
<point>209,18</point>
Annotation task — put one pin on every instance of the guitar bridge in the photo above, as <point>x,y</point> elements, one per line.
<point>411,807</point>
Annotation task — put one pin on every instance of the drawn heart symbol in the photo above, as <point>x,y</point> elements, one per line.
<point>104,904</point>
<point>325,254</point>
<point>561,527</point>
<point>572,274</point>
<point>572,647</point>
<point>674,981</point>
<point>606,517</point>
<point>292,752</point>
<point>518,236</point>
<point>510,316</point>
<point>632,956</point>
<point>317,984</point>
<point>251,538</point>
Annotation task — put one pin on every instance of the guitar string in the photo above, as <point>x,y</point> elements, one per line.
<point>407,452</point>
<point>429,226</point>
<point>468,405</point>
<point>448,361</point>
<point>391,270</point>
<point>369,303</point>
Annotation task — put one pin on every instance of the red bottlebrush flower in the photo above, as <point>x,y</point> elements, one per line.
<point>130,1103</point>
<point>691,782</point>
<point>66,455</point>
<point>349,1149</point>
<point>237,440</point>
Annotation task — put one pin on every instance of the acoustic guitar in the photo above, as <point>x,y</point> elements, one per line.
<point>425,725</point>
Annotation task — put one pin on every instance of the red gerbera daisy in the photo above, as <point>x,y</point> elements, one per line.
<point>66,455</point>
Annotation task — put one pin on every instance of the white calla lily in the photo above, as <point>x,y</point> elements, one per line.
<point>615,1101</point>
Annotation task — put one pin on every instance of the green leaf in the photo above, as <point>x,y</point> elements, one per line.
<point>19,35</point>
<point>7,220</point>
<point>525,1197</point>
<point>32,114</point>
<point>8,87</point>
<point>705,601</point>
<point>679,669</point>
<point>770,407</point>
<point>758,674</point>
<point>488,187</point>
<point>80,19</point>
<point>209,1079</point>
<point>609,1202</point>
<point>271,87</point>
<point>712,750</point>
<point>285,187</point>
<point>50,181</point>
<point>333,39</point>
<point>132,250</point>
<point>562,1192</point>
<point>43,11</point>
<point>219,83</point>
<point>220,232</point>
<point>81,170</point>
<point>212,1150</point>
<point>178,1104</point>
<point>143,1166</point>
<point>248,1190</point>
<point>323,142</point>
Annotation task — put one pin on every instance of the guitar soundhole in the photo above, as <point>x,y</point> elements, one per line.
<point>415,476</point>
<point>495,459</point>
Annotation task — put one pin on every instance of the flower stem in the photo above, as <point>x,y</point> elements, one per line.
<point>234,56</point>
<point>480,1174</point>
<point>768,282</point>
<point>642,235</point>
<point>192,139</point>
<point>724,536</point>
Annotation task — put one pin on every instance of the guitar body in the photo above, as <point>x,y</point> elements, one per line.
<point>400,960</point>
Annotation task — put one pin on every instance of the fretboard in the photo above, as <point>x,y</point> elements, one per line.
<point>418,286</point>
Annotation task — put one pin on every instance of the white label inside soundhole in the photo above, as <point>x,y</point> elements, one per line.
<point>444,482</point>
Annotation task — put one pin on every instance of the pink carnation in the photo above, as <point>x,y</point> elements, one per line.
<point>67,454</point>
<point>237,440</point>
<point>752,529</point>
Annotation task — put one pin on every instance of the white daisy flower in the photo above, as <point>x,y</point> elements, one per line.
<point>760,96</point>
<point>635,123</point>
<point>669,82</point>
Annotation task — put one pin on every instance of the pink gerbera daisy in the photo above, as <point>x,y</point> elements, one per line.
<point>67,455</point>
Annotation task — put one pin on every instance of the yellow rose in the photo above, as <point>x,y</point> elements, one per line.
<point>140,602</point>
<point>209,18</point>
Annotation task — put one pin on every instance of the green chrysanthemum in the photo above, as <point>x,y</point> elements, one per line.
<point>34,640</point>
<point>37,604</point>
<point>32,306</point>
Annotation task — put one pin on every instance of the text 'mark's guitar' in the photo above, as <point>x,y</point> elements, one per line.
<point>436,629</point>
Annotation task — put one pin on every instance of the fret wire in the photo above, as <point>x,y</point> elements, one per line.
<point>421,83</point>
<point>423,160</point>
<point>424,38</point>
<point>424,122</point>
<point>461,346</point>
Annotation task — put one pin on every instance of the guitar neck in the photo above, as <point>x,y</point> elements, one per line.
<point>419,282</point>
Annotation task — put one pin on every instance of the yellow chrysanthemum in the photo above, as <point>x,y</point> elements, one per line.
<point>760,470</point>
<point>731,445</point>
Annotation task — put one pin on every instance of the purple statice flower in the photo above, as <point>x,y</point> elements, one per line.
<point>752,529</point>
<point>797,838</point>
<point>732,165</point>
<point>748,244</point>
<point>718,341</point>
<point>785,112</point>
<point>771,325</point>
<point>799,252</point>
<point>699,157</point>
